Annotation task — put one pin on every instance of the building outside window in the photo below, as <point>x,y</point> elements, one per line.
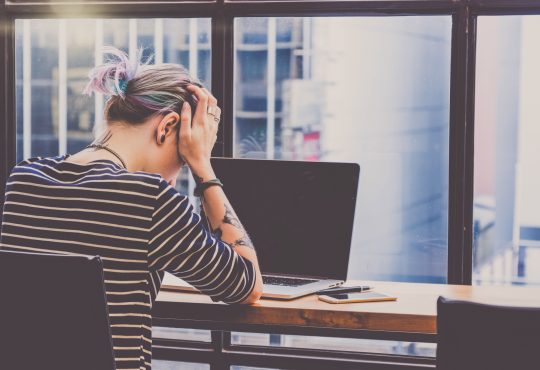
<point>506,199</point>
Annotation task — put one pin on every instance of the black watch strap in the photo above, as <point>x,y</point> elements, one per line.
<point>201,187</point>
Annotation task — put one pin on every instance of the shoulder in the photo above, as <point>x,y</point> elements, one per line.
<point>104,172</point>
<point>35,162</point>
<point>30,160</point>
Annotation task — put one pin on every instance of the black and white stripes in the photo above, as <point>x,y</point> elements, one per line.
<point>137,223</point>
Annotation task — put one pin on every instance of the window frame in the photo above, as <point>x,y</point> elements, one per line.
<point>222,13</point>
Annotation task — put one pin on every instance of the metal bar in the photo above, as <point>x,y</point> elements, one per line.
<point>283,361</point>
<point>8,139</point>
<point>307,52</point>
<point>149,9</point>
<point>328,353</point>
<point>182,343</point>
<point>217,40</point>
<point>218,344</point>
<point>271,89</point>
<point>132,42</point>
<point>62,87</point>
<point>468,201</point>
<point>194,71</point>
<point>158,41</point>
<point>126,9</point>
<point>27,88</point>
<point>335,8</point>
<point>461,155</point>
<point>457,148</point>
<point>223,80</point>
<point>182,354</point>
<point>98,59</point>
<point>239,8</point>
<point>193,47</point>
<point>504,7</point>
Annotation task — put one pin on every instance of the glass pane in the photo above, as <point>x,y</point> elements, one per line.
<point>304,91</point>
<point>54,56</point>
<point>506,225</point>
<point>79,37</point>
<point>176,365</point>
<point>181,334</point>
<point>336,344</point>
<point>36,87</point>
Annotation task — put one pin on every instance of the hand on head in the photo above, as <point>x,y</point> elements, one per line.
<point>144,98</point>
<point>197,136</point>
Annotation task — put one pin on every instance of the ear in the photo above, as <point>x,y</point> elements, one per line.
<point>166,126</point>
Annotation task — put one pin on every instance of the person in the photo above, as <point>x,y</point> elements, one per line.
<point>116,199</point>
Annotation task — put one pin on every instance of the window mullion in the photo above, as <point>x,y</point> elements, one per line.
<point>7,98</point>
<point>460,234</point>
<point>222,78</point>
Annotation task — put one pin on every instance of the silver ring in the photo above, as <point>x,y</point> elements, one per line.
<point>215,118</point>
<point>213,110</point>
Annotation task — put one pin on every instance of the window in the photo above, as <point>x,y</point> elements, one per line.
<point>54,57</point>
<point>507,179</point>
<point>371,90</point>
<point>306,89</point>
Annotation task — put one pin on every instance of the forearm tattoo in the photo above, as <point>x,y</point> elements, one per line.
<point>197,178</point>
<point>231,219</point>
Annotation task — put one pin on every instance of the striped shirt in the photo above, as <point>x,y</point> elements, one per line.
<point>137,223</point>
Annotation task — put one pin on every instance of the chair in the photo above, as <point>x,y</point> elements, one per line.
<point>53,313</point>
<point>481,336</point>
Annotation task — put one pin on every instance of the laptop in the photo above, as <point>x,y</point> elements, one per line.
<point>300,217</point>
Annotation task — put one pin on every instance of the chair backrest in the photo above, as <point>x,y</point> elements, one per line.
<point>481,336</point>
<point>53,313</point>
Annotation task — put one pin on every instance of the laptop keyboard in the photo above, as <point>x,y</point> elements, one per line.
<point>287,281</point>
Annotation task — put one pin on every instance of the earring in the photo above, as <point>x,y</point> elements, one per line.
<point>162,138</point>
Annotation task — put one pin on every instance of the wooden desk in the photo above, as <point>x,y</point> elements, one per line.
<point>411,318</point>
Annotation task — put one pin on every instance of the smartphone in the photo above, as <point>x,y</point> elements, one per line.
<point>356,297</point>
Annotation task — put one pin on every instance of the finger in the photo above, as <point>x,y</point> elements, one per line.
<point>202,104</point>
<point>212,101</point>
<point>218,113</point>
<point>185,119</point>
<point>211,98</point>
<point>217,120</point>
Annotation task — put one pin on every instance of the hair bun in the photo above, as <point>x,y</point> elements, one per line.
<point>113,76</point>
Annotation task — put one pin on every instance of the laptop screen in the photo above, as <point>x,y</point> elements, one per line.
<point>299,215</point>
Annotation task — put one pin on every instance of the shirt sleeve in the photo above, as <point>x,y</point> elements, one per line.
<point>180,244</point>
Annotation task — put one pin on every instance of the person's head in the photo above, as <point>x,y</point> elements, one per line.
<point>147,98</point>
